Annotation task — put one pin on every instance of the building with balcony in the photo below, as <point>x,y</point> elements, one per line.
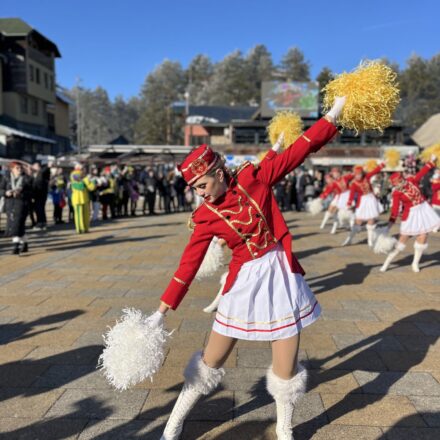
<point>34,112</point>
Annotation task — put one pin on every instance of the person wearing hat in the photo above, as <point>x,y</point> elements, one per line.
<point>265,297</point>
<point>16,188</point>
<point>340,189</point>
<point>418,216</point>
<point>80,186</point>
<point>367,207</point>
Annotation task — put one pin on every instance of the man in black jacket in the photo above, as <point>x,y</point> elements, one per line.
<point>40,190</point>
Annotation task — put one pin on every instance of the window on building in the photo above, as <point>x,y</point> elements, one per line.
<point>52,83</point>
<point>34,107</point>
<point>31,72</point>
<point>46,80</point>
<point>51,121</point>
<point>24,104</point>
<point>37,75</point>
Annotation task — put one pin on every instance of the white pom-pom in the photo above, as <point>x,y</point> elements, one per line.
<point>214,259</point>
<point>315,206</point>
<point>344,217</point>
<point>383,242</point>
<point>134,350</point>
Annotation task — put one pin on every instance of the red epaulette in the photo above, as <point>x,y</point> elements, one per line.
<point>244,165</point>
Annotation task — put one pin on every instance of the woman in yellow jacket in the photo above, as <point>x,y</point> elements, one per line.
<point>80,186</point>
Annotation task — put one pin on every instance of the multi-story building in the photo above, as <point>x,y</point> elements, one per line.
<point>34,113</point>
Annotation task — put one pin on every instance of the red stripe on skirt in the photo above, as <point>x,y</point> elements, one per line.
<point>271,330</point>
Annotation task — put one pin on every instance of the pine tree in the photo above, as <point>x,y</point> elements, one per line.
<point>294,65</point>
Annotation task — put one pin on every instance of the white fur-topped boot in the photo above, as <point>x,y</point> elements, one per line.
<point>354,230</point>
<point>370,234</point>
<point>419,248</point>
<point>200,380</point>
<point>393,254</point>
<point>286,393</point>
<point>326,218</point>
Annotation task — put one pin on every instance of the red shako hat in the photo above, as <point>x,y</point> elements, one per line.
<point>197,163</point>
<point>358,169</point>
<point>395,178</point>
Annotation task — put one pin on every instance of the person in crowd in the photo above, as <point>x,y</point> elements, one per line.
<point>418,217</point>
<point>41,179</point>
<point>81,185</point>
<point>94,178</point>
<point>133,190</point>
<point>300,185</point>
<point>368,208</point>
<point>180,185</point>
<point>107,193</point>
<point>58,195</point>
<point>150,187</point>
<point>16,188</point>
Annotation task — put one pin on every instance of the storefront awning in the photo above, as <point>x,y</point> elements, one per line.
<point>8,131</point>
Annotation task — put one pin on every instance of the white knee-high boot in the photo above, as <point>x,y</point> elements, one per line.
<point>370,234</point>
<point>354,230</point>
<point>199,380</point>
<point>393,254</point>
<point>419,248</point>
<point>286,393</point>
<point>335,223</point>
<point>326,218</point>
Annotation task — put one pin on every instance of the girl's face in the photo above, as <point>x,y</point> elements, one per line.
<point>16,170</point>
<point>358,176</point>
<point>211,187</point>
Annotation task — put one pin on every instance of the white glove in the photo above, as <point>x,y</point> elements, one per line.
<point>336,110</point>
<point>279,142</point>
<point>433,158</point>
<point>156,319</point>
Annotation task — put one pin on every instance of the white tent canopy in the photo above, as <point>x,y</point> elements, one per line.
<point>429,133</point>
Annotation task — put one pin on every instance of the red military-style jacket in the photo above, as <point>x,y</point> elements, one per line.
<point>409,195</point>
<point>362,187</point>
<point>435,186</point>
<point>247,216</point>
<point>338,186</point>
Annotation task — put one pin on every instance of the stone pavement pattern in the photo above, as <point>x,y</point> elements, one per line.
<point>374,357</point>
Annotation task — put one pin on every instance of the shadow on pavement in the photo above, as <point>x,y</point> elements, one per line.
<point>16,331</point>
<point>374,390</point>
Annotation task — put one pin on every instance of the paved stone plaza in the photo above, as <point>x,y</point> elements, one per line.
<point>374,357</point>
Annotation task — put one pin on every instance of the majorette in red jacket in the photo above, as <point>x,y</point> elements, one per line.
<point>435,186</point>
<point>247,216</point>
<point>408,195</point>
<point>338,186</point>
<point>362,187</point>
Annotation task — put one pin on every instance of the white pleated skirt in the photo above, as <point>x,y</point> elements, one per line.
<point>369,208</point>
<point>267,301</point>
<point>422,219</point>
<point>343,200</point>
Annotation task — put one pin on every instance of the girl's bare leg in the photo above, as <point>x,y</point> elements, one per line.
<point>217,349</point>
<point>285,356</point>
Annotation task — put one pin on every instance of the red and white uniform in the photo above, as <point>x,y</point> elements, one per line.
<point>418,217</point>
<point>435,186</point>
<point>367,205</point>
<point>247,217</point>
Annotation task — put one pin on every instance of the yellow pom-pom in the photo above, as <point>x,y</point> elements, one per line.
<point>288,122</point>
<point>426,154</point>
<point>372,96</point>
<point>392,158</point>
<point>370,165</point>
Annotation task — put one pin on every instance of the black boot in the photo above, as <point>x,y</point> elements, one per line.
<point>24,247</point>
<point>16,250</point>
